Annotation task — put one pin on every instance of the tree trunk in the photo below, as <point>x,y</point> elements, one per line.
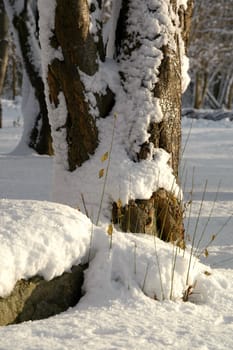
<point>82,135</point>
<point>40,134</point>
<point>185,16</point>
<point>198,95</point>
<point>160,84</point>
<point>230,96</point>
<point>162,214</point>
<point>201,84</point>
<point>3,50</point>
<point>217,86</point>
<point>14,73</point>
<point>64,76</point>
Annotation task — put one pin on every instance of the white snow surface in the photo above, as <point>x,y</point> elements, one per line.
<point>118,310</point>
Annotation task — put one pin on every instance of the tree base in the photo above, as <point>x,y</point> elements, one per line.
<point>161,215</point>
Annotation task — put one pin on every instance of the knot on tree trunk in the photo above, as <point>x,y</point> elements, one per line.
<point>161,215</point>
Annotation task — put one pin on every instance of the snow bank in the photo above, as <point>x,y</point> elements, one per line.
<point>39,238</point>
<point>43,238</point>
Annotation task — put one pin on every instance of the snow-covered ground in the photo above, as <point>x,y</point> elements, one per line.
<point>118,310</point>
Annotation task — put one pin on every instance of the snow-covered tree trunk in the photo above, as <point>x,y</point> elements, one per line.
<point>3,50</point>
<point>162,212</point>
<point>37,134</point>
<point>114,94</point>
<point>81,54</point>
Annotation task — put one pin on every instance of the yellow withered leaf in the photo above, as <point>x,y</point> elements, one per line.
<point>110,229</point>
<point>207,273</point>
<point>101,173</point>
<point>206,253</point>
<point>104,157</point>
<point>213,237</point>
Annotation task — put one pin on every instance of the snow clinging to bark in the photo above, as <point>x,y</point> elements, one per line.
<point>57,114</point>
<point>153,24</point>
<point>14,7</point>
<point>95,18</point>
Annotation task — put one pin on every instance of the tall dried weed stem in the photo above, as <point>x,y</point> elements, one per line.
<point>102,172</point>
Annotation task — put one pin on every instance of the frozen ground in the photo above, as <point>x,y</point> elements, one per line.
<point>115,313</point>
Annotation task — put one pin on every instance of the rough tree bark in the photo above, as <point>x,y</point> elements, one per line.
<point>40,136</point>
<point>3,50</point>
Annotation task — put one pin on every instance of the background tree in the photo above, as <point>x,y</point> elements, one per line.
<point>13,80</point>
<point>24,17</point>
<point>114,77</point>
<point>3,50</point>
<point>211,53</point>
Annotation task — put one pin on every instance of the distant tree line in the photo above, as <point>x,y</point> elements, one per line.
<point>210,53</point>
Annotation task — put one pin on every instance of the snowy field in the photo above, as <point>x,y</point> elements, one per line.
<point>118,310</point>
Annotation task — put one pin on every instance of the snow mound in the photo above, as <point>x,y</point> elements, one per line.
<point>44,238</point>
<point>142,264</point>
<point>39,238</point>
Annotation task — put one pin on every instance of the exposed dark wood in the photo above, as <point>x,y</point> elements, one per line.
<point>82,134</point>
<point>72,22</point>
